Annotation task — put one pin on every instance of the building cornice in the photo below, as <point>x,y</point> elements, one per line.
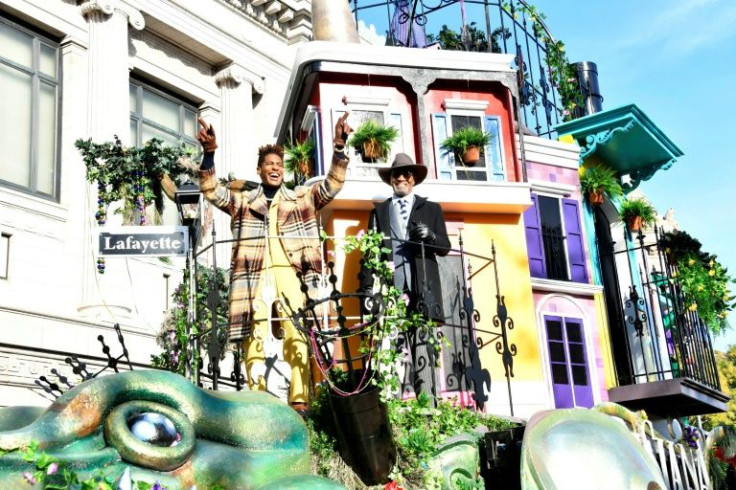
<point>574,288</point>
<point>109,7</point>
<point>236,74</point>
<point>551,152</point>
<point>553,188</point>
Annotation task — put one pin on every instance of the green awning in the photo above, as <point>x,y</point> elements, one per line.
<point>626,140</point>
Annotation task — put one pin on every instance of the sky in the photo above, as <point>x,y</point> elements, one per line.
<point>676,60</point>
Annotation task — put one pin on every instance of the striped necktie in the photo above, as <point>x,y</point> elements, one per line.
<point>403,212</point>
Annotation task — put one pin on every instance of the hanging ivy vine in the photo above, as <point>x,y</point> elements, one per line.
<point>130,174</point>
<point>562,73</point>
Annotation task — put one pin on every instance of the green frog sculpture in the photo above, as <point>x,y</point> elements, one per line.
<point>159,427</point>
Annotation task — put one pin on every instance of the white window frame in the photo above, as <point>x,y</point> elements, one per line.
<point>37,77</point>
<point>353,104</point>
<point>4,255</point>
<point>574,312</point>
<point>137,117</point>
<point>473,108</point>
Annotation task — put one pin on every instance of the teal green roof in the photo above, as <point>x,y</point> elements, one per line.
<point>624,139</point>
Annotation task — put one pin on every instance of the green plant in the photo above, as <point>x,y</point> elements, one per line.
<point>705,286</point>
<point>297,161</point>
<point>463,138</point>
<point>602,180</point>
<point>638,207</point>
<point>371,135</point>
<point>173,335</point>
<point>396,316</point>
<point>470,38</point>
<point>563,74</point>
<point>131,174</point>
<point>679,244</point>
<point>50,473</point>
<point>419,430</point>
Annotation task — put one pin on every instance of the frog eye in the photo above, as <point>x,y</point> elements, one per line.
<point>154,428</point>
<point>150,435</point>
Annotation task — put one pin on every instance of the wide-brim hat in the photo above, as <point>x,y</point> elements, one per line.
<point>402,160</point>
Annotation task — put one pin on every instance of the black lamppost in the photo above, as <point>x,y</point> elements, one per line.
<point>189,204</point>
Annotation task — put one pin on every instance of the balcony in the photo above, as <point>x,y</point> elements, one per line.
<point>513,27</point>
<point>662,350</point>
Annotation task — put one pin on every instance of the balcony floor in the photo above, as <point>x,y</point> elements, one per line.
<point>673,397</point>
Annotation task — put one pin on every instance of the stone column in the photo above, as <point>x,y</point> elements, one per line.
<point>237,151</point>
<point>238,148</point>
<point>108,112</point>
<point>106,296</point>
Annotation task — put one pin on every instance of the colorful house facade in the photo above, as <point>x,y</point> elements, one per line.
<point>568,319</point>
<point>427,95</point>
<point>661,355</point>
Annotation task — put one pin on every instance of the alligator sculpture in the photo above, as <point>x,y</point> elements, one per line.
<point>160,428</point>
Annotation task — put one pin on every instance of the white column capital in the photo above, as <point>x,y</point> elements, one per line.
<point>109,7</point>
<point>235,74</point>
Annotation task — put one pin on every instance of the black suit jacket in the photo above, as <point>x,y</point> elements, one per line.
<point>425,288</point>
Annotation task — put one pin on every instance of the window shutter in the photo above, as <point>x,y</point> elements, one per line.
<point>444,160</point>
<point>534,244</point>
<point>575,246</point>
<point>493,150</point>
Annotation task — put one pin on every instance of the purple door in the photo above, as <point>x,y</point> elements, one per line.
<point>571,384</point>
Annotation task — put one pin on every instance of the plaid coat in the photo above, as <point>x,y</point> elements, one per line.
<point>297,224</point>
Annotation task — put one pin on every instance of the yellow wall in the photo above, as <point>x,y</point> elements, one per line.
<point>507,233</point>
<point>605,339</point>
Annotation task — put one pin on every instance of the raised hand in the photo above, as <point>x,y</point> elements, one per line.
<point>206,137</point>
<point>342,130</point>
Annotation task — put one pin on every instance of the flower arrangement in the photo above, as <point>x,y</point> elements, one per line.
<point>637,212</point>
<point>705,286</point>
<point>466,144</point>
<point>599,182</point>
<point>373,140</point>
<point>298,161</point>
<point>131,174</point>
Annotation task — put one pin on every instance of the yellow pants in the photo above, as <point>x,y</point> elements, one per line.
<point>295,352</point>
<point>281,277</point>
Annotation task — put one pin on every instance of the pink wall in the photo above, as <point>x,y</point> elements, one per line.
<point>551,173</point>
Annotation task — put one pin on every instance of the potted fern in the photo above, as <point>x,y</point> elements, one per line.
<point>373,140</point>
<point>467,144</point>
<point>599,182</point>
<point>300,160</point>
<point>637,212</point>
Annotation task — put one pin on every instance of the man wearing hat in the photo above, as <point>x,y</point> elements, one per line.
<point>416,233</point>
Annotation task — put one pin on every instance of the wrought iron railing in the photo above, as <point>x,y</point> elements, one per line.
<point>655,335</point>
<point>555,255</point>
<point>465,334</point>
<point>510,27</point>
<point>464,375</point>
